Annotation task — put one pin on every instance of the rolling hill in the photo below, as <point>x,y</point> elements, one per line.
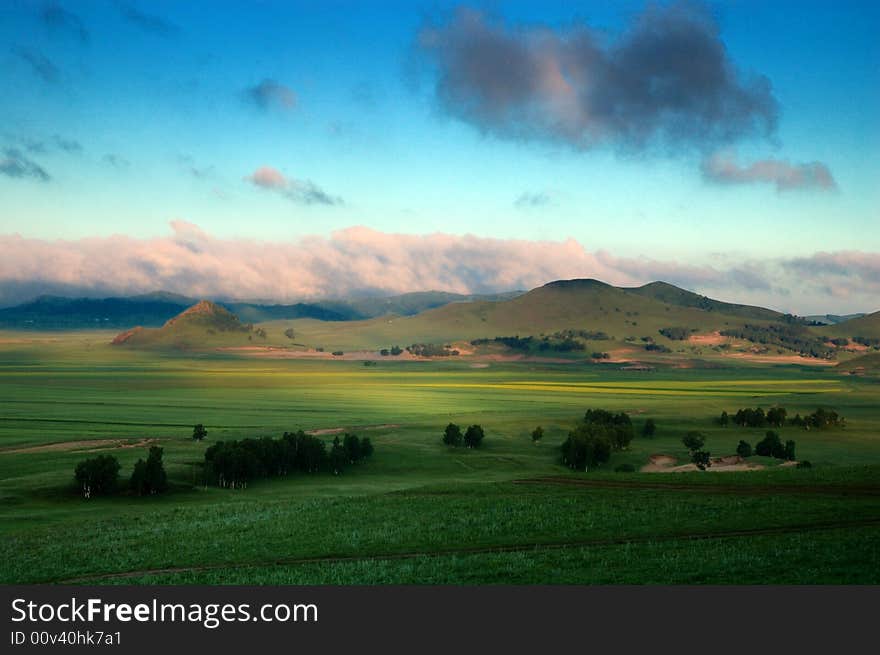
<point>584,304</point>
<point>205,324</point>
<point>867,326</point>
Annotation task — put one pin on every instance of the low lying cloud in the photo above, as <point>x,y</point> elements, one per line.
<point>667,80</point>
<point>723,168</point>
<point>16,164</point>
<point>355,260</point>
<point>270,94</point>
<point>41,65</point>
<point>302,191</point>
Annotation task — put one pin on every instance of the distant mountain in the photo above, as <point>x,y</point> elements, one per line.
<point>152,310</point>
<point>54,312</point>
<point>830,319</point>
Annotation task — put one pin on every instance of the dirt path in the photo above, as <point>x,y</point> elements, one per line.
<point>509,548</point>
<point>352,428</point>
<point>86,445</point>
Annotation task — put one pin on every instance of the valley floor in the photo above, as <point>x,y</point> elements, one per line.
<point>418,512</point>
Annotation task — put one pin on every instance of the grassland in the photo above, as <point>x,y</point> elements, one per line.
<point>417,512</point>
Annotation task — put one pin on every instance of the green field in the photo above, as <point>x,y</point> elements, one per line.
<point>417,512</point>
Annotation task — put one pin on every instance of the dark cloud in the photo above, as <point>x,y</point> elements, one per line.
<point>41,65</point>
<point>667,80</point>
<point>59,20</point>
<point>116,161</point>
<point>302,191</point>
<point>147,22</point>
<point>17,164</point>
<point>528,199</point>
<point>270,94</point>
<point>723,168</point>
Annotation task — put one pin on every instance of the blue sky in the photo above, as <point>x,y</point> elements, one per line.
<point>137,114</point>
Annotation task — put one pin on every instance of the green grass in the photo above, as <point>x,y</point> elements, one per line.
<point>415,497</point>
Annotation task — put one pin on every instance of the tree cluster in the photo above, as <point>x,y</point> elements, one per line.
<point>394,351</point>
<point>432,350</point>
<point>822,418</point>
<point>232,464</point>
<point>472,437</point>
<point>99,475</point>
<point>791,336</point>
<point>771,446</point>
<point>675,333</point>
<point>594,439</point>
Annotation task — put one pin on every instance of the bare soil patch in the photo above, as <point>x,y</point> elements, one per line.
<point>323,431</point>
<point>668,464</point>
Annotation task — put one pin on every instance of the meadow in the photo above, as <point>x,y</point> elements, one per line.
<point>418,512</point>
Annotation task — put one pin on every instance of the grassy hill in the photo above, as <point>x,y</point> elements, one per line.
<point>563,305</point>
<point>864,326</point>
<point>205,324</point>
<point>672,295</point>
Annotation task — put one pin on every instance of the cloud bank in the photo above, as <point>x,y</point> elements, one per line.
<point>355,260</point>
<point>668,79</point>
<point>723,168</point>
<point>302,191</point>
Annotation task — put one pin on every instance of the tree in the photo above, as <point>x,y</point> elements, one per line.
<point>693,441</point>
<point>537,434</point>
<point>473,436</point>
<point>788,450</point>
<point>149,477</point>
<point>776,416</point>
<point>97,476</point>
<point>724,419</point>
<point>199,432</point>
<point>701,458</point>
<point>452,435</point>
<point>352,446</point>
<point>338,457</point>
<point>649,429</point>
<point>366,447</point>
<point>289,333</point>
<point>744,449</point>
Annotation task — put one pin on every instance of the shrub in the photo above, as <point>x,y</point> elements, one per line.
<point>537,434</point>
<point>744,449</point>
<point>199,432</point>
